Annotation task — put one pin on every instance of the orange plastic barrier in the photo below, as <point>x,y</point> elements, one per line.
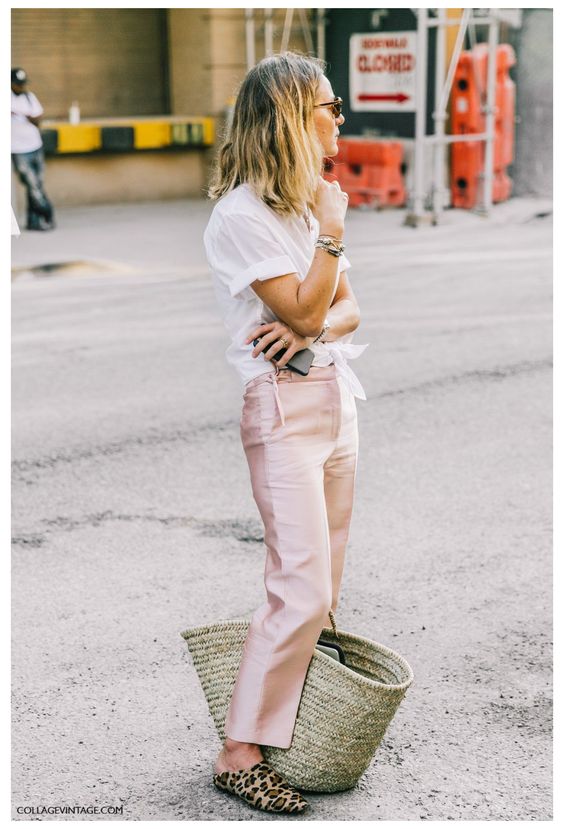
<point>467,161</point>
<point>370,172</point>
<point>466,188</point>
<point>468,93</point>
<point>505,103</point>
<point>468,116</point>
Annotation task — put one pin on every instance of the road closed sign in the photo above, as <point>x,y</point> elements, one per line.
<point>382,72</point>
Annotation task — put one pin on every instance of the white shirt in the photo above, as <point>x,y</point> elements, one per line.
<point>246,240</point>
<point>25,136</point>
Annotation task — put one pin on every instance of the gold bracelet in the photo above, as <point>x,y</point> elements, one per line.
<point>327,243</point>
<point>326,237</point>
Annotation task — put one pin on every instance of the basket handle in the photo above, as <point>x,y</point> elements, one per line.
<point>333,623</point>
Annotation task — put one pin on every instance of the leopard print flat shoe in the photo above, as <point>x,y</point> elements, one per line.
<point>263,788</point>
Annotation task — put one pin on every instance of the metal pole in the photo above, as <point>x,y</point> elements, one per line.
<point>321,33</point>
<point>250,37</point>
<point>454,59</point>
<point>493,36</point>
<point>420,120</point>
<point>287,29</point>
<point>456,21</point>
<point>451,139</point>
<point>268,32</point>
<point>306,31</point>
<point>439,118</point>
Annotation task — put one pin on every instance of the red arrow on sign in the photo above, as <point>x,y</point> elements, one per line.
<point>400,97</point>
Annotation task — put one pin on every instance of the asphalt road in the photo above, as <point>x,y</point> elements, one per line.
<point>133,517</point>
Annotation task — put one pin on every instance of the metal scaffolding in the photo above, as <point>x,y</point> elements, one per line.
<point>440,139</point>
<point>312,31</point>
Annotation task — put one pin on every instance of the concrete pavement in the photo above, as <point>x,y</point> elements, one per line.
<point>133,517</point>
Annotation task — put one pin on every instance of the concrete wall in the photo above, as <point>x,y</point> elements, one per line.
<point>208,60</point>
<point>189,61</point>
<point>112,61</point>
<point>123,177</point>
<point>532,170</point>
<point>134,62</point>
<point>207,55</point>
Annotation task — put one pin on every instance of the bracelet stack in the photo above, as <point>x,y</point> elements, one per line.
<point>333,246</point>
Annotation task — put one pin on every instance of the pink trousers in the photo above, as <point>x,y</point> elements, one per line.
<point>301,441</point>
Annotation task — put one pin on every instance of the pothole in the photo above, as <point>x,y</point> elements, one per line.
<point>75,267</point>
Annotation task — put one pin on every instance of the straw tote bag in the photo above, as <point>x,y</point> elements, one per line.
<point>344,711</point>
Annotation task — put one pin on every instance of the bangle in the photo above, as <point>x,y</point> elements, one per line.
<point>331,245</point>
<point>329,250</point>
<point>328,239</point>
<point>323,235</point>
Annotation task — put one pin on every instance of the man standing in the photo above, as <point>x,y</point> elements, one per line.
<point>27,152</point>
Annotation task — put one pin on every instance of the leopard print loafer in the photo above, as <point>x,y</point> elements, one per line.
<point>263,788</point>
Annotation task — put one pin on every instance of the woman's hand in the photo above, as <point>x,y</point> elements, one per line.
<point>330,208</point>
<point>271,333</point>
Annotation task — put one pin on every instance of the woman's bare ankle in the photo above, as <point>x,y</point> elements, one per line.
<point>236,755</point>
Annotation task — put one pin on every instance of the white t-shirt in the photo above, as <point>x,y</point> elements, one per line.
<point>25,136</point>
<point>246,240</point>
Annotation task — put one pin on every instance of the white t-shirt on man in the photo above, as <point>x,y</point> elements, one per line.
<point>246,240</point>
<point>26,137</point>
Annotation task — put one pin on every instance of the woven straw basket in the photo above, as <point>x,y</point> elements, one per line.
<point>343,713</point>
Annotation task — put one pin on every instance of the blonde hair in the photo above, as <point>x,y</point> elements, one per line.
<point>272,143</point>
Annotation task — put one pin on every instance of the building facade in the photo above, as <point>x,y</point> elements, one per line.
<point>141,76</point>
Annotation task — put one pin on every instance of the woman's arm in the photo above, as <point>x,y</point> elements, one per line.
<point>302,305</point>
<point>344,313</point>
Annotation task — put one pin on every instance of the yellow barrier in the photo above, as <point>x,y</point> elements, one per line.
<point>148,133</point>
<point>79,138</point>
<point>151,135</point>
<point>209,131</point>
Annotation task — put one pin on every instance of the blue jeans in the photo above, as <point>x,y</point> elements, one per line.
<point>29,167</point>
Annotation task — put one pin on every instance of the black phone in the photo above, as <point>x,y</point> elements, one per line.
<point>299,362</point>
<point>333,650</point>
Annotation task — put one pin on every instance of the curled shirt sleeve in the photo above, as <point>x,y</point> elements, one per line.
<point>246,249</point>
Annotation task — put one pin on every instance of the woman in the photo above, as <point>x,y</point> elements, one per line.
<point>274,245</point>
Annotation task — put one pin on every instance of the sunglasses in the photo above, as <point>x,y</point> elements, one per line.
<point>336,106</point>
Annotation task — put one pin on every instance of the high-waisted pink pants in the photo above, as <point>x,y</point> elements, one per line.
<point>301,441</point>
